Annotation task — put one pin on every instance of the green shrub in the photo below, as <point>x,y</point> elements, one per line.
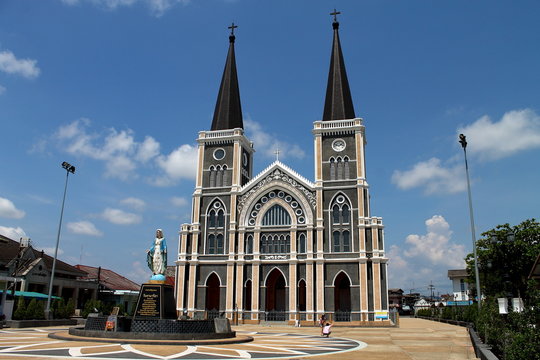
<point>57,307</point>
<point>90,305</point>
<point>35,310</point>
<point>69,309</point>
<point>20,311</point>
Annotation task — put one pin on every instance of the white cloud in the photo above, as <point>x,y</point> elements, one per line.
<point>12,233</point>
<point>24,67</point>
<point>425,258</point>
<point>267,143</point>
<point>435,245</point>
<point>116,148</point>
<point>120,217</point>
<point>84,228</point>
<point>8,209</point>
<point>517,130</point>
<point>179,201</point>
<point>139,272</point>
<point>2,89</point>
<point>134,203</point>
<point>180,163</point>
<point>433,176</point>
<point>41,199</point>
<point>148,149</point>
<point>122,155</point>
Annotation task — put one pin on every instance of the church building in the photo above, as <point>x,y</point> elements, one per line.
<point>276,246</point>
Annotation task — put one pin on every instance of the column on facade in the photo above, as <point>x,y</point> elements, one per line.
<point>255,291</point>
<point>240,271</point>
<point>181,274</point>
<point>293,291</point>
<point>376,285</point>
<point>309,291</point>
<point>181,267</point>
<point>320,290</point>
<point>255,275</point>
<point>229,290</point>
<point>363,286</point>
<point>239,286</point>
<point>309,276</point>
<point>192,287</point>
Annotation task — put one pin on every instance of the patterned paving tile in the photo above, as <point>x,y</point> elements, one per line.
<point>31,344</point>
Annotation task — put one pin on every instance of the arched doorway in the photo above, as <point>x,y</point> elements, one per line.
<point>275,296</point>
<point>247,296</point>
<point>212,293</point>
<point>342,298</point>
<point>302,295</point>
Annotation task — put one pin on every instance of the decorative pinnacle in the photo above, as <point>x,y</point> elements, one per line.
<point>232,27</point>
<point>335,14</point>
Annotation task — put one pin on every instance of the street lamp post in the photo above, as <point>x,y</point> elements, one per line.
<point>463,142</point>
<point>69,169</point>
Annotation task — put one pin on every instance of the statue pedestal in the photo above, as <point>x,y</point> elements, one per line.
<point>156,301</point>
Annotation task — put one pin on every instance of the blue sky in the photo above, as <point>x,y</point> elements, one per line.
<point>120,89</point>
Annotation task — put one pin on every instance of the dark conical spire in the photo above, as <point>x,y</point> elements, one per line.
<point>338,104</point>
<point>228,112</point>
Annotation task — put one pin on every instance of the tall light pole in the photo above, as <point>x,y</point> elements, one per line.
<point>463,142</point>
<point>69,169</point>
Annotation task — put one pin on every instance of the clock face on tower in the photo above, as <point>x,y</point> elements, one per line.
<point>244,159</point>
<point>338,145</point>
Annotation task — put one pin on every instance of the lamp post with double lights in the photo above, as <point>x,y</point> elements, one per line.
<point>69,169</point>
<point>463,142</point>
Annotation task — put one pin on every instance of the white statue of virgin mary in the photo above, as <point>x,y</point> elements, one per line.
<point>157,255</point>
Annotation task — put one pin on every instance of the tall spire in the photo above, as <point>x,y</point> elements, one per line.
<point>338,103</point>
<point>228,112</point>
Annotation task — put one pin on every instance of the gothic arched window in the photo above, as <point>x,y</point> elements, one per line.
<point>340,215</point>
<point>345,214</point>
<point>277,243</point>
<point>332,169</point>
<point>302,243</point>
<point>339,168</point>
<point>224,177</point>
<point>215,228</point>
<point>249,244</point>
<point>346,167</point>
<point>276,216</point>
<point>219,176</point>
<point>335,214</point>
<point>212,176</point>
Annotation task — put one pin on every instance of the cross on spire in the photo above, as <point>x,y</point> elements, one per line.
<point>277,153</point>
<point>335,14</point>
<point>232,27</point>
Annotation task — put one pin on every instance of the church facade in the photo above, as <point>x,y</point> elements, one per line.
<point>276,246</point>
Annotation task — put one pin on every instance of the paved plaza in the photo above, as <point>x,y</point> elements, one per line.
<point>414,339</point>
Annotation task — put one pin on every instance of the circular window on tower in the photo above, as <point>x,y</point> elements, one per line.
<point>219,154</point>
<point>339,145</point>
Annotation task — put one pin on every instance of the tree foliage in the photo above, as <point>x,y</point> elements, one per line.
<point>506,255</point>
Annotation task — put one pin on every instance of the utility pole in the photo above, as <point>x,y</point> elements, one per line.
<point>431,287</point>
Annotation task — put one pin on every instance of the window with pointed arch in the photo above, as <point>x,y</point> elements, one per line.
<point>215,228</point>
<point>249,244</point>
<point>339,168</point>
<point>218,176</point>
<point>340,219</point>
<point>301,243</point>
<point>275,243</point>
